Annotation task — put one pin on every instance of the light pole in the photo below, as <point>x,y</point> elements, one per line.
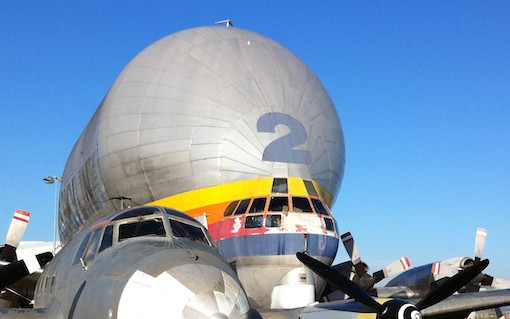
<point>54,180</point>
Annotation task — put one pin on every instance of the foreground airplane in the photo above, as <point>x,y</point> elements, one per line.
<point>228,127</point>
<point>132,264</point>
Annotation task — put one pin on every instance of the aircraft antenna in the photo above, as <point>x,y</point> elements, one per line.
<point>228,23</point>
<point>122,199</point>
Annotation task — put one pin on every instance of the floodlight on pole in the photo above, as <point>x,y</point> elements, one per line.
<point>54,180</point>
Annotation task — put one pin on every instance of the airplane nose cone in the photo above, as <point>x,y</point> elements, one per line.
<point>188,291</point>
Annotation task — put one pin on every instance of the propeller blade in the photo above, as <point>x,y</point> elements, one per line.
<point>360,268</point>
<point>451,285</point>
<point>351,248</point>
<point>392,269</point>
<point>340,282</point>
<point>14,234</point>
<point>481,238</point>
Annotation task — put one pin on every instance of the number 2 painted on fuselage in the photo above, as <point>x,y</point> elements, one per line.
<point>283,148</point>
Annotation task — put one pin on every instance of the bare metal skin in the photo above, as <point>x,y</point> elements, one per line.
<point>148,275</point>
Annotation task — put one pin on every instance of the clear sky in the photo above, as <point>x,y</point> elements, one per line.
<point>422,89</point>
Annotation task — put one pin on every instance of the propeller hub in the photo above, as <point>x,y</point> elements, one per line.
<point>399,309</point>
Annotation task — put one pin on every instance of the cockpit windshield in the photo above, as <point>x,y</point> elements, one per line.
<point>180,229</point>
<point>148,221</point>
<point>150,227</point>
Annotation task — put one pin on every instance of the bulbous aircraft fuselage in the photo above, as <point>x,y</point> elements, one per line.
<point>210,118</point>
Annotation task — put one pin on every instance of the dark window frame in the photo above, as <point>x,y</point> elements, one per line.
<point>310,188</point>
<point>300,202</point>
<point>107,240</point>
<point>280,185</point>
<point>195,229</point>
<point>231,208</point>
<point>143,228</point>
<point>242,207</point>
<point>271,218</point>
<point>81,249</point>
<point>254,221</point>
<point>320,207</point>
<point>271,207</point>
<point>257,199</point>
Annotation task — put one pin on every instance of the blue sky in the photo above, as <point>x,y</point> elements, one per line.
<point>422,89</point>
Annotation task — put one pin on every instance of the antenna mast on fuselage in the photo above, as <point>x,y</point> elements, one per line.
<point>228,23</point>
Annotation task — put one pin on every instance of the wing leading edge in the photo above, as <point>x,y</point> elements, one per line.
<point>463,304</point>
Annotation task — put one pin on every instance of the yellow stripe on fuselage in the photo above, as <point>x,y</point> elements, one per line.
<point>367,316</point>
<point>366,311</point>
<point>214,199</point>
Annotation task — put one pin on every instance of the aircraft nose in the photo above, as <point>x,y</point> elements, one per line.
<point>189,291</point>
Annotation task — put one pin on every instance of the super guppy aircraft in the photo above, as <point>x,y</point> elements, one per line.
<point>228,126</point>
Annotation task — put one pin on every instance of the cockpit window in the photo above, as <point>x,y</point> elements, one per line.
<point>230,208</point>
<point>258,205</point>
<point>329,224</point>
<point>180,229</point>
<point>301,205</point>
<point>107,238</point>
<point>279,204</point>
<point>81,249</point>
<point>319,207</point>
<point>274,220</point>
<point>148,227</point>
<point>243,205</point>
<point>255,221</point>
<point>310,188</point>
<point>91,250</point>
<point>280,186</point>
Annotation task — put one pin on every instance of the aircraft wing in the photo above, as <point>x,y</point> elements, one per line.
<point>467,302</point>
<point>438,303</point>
<point>456,306</point>
<point>30,313</point>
